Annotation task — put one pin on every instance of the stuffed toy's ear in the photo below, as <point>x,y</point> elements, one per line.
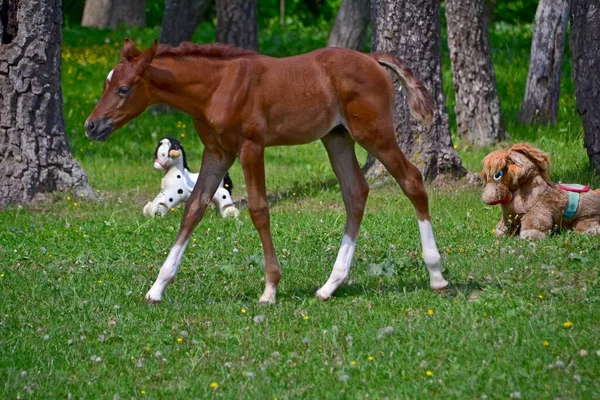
<point>129,51</point>
<point>174,153</point>
<point>537,157</point>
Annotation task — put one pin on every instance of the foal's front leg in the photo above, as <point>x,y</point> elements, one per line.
<point>253,165</point>
<point>214,166</point>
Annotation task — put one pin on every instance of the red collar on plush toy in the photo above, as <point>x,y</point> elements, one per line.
<point>574,187</point>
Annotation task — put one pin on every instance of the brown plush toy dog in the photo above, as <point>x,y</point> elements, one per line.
<point>532,205</point>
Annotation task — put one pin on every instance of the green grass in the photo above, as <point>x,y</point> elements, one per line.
<point>73,275</point>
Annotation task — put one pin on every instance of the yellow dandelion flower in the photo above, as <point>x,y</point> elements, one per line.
<point>546,343</point>
<point>448,250</point>
<point>243,310</point>
<point>568,324</point>
<point>430,312</point>
<point>194,239</point>
<point>214,385</point>
<point>99,282</point>
<point>428,373</point>
<point>456,146</point>
<point>493,230</point>
<point>182,134</point>
<point>305,317</point>
<point>353,363</point>
<point>179,340</point>
<point>541,296</point>
<point>68,198</point>
<point>147,348</point>
<point>143,391</point>
<point>75,204</point>
<point>371,358</point>
<point>1,275</point>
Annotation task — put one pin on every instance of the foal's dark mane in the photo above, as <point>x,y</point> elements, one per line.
<point>215,51</point>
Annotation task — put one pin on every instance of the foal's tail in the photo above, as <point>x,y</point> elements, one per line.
<point>419,99</point>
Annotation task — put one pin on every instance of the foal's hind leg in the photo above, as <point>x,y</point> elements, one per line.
<point>213,169</point>
<point>253,164</point>
<point>382,145</point>
<point>340,148</point>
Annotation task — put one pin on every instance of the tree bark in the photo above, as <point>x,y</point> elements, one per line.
<point>180,19</point>
<point>477,108</point>
<point>351,23</point>
<point>540,104</point>
<point>34,154</point>
<point>411,30</point>
<point>236,23</point>
<point>111,13</point>
<point>585,50</point>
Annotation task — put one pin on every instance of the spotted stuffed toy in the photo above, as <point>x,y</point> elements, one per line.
<point>177,183</point>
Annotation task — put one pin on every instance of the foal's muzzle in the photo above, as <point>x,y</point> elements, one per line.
<point>98,129</point>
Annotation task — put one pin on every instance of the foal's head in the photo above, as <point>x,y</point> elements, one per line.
<point>126,92</point>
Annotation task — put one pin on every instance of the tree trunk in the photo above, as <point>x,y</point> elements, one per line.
<point>34,154</point>
<point>540,104</point>
<point>478,116</point>
<point>411,29</point>
<point>180,20</point>
<point>585,50</point>
<point>111,13</point>
<point>351,23</point>
<point>236,23</point>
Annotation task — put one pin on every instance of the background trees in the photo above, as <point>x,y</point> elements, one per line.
<point>351,25</point>
<point>585,46</point>
<point>237,24</point>
<point>540,104</point>
<point>411,30</point>
<point>34,155</point>
<point>111,13</point>
<point>180,19</point>
<point>478,116</point>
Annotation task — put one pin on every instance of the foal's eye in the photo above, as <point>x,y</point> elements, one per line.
<point>123,90</point>
<point>498,175</point>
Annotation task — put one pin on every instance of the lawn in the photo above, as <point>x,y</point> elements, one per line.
<point>522,319</point>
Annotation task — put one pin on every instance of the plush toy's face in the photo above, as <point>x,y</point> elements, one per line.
<point>166,155</point>
<point>507,170</point>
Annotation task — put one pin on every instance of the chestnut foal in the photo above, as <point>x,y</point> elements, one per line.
<point>242,102</point>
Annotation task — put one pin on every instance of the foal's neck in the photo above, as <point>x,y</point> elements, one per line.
<point>184,83</point>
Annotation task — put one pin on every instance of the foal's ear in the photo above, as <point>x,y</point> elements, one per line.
<point>129,51</point>
<point>146,57</point>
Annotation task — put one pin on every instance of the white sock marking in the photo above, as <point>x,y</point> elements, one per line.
<point>431,256</point>
<point>341,268</point>
<point>167,272</point>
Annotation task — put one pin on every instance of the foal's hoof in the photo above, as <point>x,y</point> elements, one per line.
<point>322,295</point>
<point>152,299</point>
<point>439,286</point>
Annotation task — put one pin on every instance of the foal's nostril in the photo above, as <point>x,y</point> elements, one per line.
<point>89,126</point>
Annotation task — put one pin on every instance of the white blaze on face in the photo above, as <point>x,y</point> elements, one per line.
<point>110,74</point>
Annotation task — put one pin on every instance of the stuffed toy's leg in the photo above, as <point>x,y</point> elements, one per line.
<point>504,227</point>
<point>160,205</point>
<point>536,225</point>
<point>222,200</point>
<point>588,225</point>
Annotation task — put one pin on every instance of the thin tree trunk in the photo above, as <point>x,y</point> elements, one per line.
<point>478,116</point>
<point>585,50</point>
<point>34,155</point>
<point>540,104</point>
<point>351,23</point>
<point>180,19</point>
<point>111,13</point>
<point>236,23</point>
<point>411,29</point>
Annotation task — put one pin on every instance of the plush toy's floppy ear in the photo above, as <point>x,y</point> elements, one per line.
<point>174,153</point>
<point>129,51</point>
<point>537,157</point>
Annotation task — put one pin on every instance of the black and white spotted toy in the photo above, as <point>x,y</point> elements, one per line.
<point>178,183</point>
